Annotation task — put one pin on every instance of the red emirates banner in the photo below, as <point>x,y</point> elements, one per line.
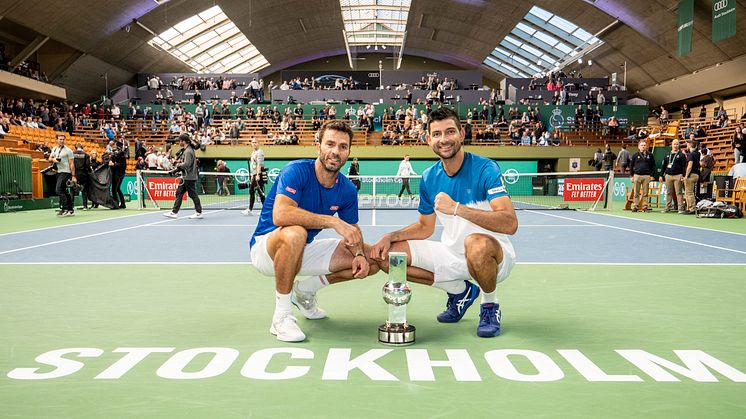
<point>163,189</point>
<point>583,189</point>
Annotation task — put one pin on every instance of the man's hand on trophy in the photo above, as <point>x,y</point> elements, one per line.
<point>380,250</point>
<point>445,204</point>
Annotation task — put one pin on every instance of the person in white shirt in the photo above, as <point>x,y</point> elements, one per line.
<point>151,159</point>
<point>738,170</point>
<point>404,172</point>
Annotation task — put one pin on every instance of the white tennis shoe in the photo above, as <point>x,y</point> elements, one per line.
<point>171,214</point>
<point>196,216</point>
<point>286,329</point>
<point>306,303</point>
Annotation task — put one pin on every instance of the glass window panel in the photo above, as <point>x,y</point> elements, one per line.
<point>169,34</point>
<point>540,13</point>
<point>525,28</point>
<point>546,38</point>
<point>188,24</point>
<point>211,12</point>
<point>532,50</point>
<point>562,24</point>
<point>563,47</point>
<point>513,41</point>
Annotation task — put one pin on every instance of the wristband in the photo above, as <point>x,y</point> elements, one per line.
<point>455,210</point>
<point>359,254</point>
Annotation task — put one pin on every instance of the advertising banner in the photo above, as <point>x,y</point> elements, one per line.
<point>723,19</point>
<point>685,27</point>
<point>583,189</point>
<point>163,188</point>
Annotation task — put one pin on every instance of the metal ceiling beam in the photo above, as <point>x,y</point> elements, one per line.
<point>28,51</point>
<point>54,74</point>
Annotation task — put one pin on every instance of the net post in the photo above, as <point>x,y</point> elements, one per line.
<point>138,186</point>
<point>373,221</point>
<point>610,191</point>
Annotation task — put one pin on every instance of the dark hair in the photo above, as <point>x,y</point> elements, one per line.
<point>185,137</point>
<point>443,114</point>
<point>336,125</point>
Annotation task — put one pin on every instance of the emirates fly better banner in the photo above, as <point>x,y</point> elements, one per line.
<point>723,19</point>
<point>583,189</point>
<point>686,23</point>
<point>163,188</point>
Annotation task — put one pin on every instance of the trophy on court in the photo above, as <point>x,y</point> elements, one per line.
<point>396,292</point>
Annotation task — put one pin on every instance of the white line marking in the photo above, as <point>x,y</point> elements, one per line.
<point>645,233</point>
<point>665,223</point>
<point>74,224</point>
<point>198,224</point>
<point>92,235</point>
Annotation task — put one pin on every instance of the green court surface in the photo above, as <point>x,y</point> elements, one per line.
<point>592,309</point>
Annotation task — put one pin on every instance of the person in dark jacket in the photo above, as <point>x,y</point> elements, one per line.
<point>642,167</point>
<point>82,171</point>
<point>118,165</point>
<point>189,167</point>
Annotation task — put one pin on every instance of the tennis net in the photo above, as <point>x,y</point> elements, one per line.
<point>570,190</point>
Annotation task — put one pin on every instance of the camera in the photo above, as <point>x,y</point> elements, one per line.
<point>49,170</point>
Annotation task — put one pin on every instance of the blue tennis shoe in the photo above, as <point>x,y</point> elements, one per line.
<point>457,304</point>
<point>489,320</point>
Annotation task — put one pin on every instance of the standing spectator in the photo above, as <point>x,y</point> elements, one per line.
<point>222,181</point>
<point>62,157</point>
<point>642,167</point>
<point>118,165</point>
<point>82,170</point>
<point>702,113</point>
<point>353,173</point>
<point>691,177</point>
<point>622,159</point>
<point>609,158</point>
<point>598,160</point>
<point>256,165</point>
<point>672,172</point>
<point>739,144</point>
<point>663,117</point>
<point>706,164</point>
<point>685,112</point>
<point>404,172</point>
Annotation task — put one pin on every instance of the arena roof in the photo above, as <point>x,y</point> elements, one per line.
<point>115,38</point>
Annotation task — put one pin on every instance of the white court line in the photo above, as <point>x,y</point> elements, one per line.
<point>74,224</point>
<point>665,223</point>
<point>251,263</point>
<point>198,224</point>
<point>644,232</point>
<point>93,235</point>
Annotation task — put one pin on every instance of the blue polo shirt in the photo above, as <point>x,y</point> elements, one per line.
<point>298,181</point>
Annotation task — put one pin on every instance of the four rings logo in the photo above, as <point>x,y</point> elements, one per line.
<point>510,176</point>
<point>720,5</point>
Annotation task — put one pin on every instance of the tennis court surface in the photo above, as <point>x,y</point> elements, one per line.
<point>139,315</point>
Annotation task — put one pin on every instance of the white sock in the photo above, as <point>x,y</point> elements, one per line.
<point>489,297</point>
<point>451,287</point>
<point>282,305</point>
<point>312,283</point>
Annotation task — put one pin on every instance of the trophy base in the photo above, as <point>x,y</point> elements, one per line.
<point>396,334</point>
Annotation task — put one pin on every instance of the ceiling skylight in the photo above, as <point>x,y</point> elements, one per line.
<point>211,43</point>
<point>540,42</point>
<point>375,23</point>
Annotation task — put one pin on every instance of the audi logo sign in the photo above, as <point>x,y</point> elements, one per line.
<point>372,75</point>
<point>720,5</point>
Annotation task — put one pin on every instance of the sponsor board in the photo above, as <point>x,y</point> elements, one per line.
<point>163,188</point>
<point>583,189</point>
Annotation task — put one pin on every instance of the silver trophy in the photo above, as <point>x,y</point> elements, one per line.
<point>396,331</point>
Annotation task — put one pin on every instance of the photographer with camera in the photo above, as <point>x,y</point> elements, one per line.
<point>118,165</point>
<point>61,158</point>
<point>82,169</point>
<point>189,169</point>
<point>258,176</point>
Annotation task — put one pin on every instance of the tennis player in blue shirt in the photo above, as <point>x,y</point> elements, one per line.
<point>303,201</point>
<point>466,194</point>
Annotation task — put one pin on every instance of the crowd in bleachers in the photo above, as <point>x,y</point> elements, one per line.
<point>26,68</point>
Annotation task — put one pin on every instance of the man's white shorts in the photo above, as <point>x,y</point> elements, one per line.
<point>448,265</point>
<point>316,256</point>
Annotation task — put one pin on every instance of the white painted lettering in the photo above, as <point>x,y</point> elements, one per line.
<point>127,362</point>
<point>173,368</point>
<point>256,365</point>
<point>696,365</point>
<point>54,358</point>
<point>338,365</point>
<point>421,366</point>
<point>589,370</point>
<point>546,369</point>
